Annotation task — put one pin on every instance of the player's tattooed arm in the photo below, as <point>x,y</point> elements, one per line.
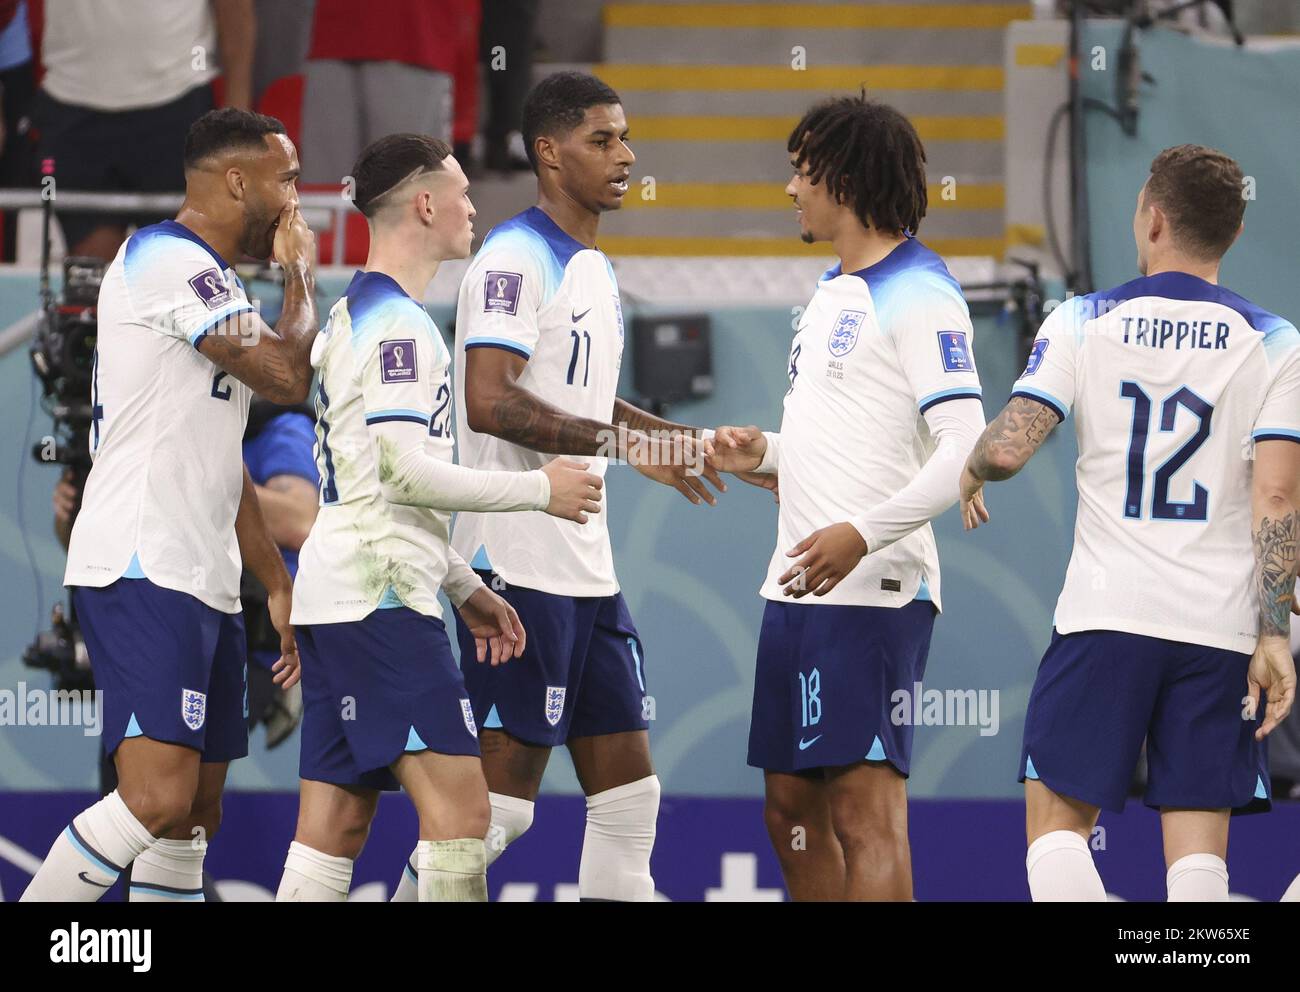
<point>1275,565</point>
<point>1002,451</point>
<point>496,404</point>
<point>636,419</point>
<point>1275,530</point>
<point>275,363</point>
<point>1011,440</point>
<point>1275,526</point>
<point>668,452</point>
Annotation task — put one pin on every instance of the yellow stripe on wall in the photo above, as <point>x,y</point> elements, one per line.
<point>778,128</point>
<point>829,77</point>
<point>1039,56</point>
<point>674,246</point>
<point>1031,235</point>
<point>771,196</point>
<point>744,15</point>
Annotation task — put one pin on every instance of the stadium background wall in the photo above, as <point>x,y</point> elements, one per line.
<point>691,574</point>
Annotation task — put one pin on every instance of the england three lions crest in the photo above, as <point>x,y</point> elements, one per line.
<point>844,335</point>
<point>554,704</point>
<point>194,708</point>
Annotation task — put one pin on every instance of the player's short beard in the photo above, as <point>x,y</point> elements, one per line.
<point>807,237</point>
<point>258,240</point>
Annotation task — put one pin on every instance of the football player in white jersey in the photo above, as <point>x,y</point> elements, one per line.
<point>383,700</point>
<point>539,342</point>
<point>1187,409</point>
<point>169,511</point>
<point>883,407</point>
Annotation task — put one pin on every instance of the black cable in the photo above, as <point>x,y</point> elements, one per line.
<point>23,456</point>
<point>1049,214</point>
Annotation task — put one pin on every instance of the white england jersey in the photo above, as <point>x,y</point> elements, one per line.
<point>1170,378</point>
<point>379,358</point>
<point>537,292</point>
<point>874,350</point>
<point>163,492</point>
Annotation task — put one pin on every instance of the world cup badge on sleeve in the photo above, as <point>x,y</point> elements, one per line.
<point>501,292</point>
<point>554,704</point>
<point>211,288</point>
<point>397,361</point>
<point>194,708</point>
<point>844,335</point>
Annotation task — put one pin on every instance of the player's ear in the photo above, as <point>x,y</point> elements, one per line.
<point>547,151</point>
<point>424,206</point>
<point>1159,223</point>
<point>235,182</point>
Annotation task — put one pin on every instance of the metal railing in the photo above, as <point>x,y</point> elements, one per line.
<point>320,210</point>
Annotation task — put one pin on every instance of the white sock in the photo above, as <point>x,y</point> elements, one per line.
<point>616,847</point>
<point>310,876</point>
<point>170,871</point>
<point>408,886</point>
<point>452,870</point>
<point>1198,878</point>
<point>87,857</point>
<point>510,818</point>
<point>1061,869</point>
<point>1292,893</point>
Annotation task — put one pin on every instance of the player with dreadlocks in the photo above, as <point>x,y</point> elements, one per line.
<point>883,407</point>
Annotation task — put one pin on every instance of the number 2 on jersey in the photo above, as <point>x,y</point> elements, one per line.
<point>440,422</point>
<point>1162,508</point>
<point>219,391</point>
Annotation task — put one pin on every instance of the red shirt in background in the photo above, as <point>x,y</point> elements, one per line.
<point>423,33</point>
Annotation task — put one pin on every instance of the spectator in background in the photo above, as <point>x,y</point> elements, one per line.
<point>464,87</point>
<point>375,68</point>
<point>17,156</point>
<point>124,79</point>
<point>509,33</point>
<point>283,36</point>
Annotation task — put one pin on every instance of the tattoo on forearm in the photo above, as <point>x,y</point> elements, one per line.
<point>636,419</point>
<point>523,419</point>
<point>1011,439</point>
<point>1275,568</point>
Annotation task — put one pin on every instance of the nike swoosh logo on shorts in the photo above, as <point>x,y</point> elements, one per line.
<point>89,881</point>
<point>805,745</point>
<point>578,316</point>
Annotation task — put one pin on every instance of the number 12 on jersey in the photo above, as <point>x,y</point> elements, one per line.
<point>1162,508</point>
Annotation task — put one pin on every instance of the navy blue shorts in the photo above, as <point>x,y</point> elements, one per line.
<point>171,667</point>
<point>582,672</point>
<point>1100,693</point>
<point>375,689</point>
<point>823,683</point>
